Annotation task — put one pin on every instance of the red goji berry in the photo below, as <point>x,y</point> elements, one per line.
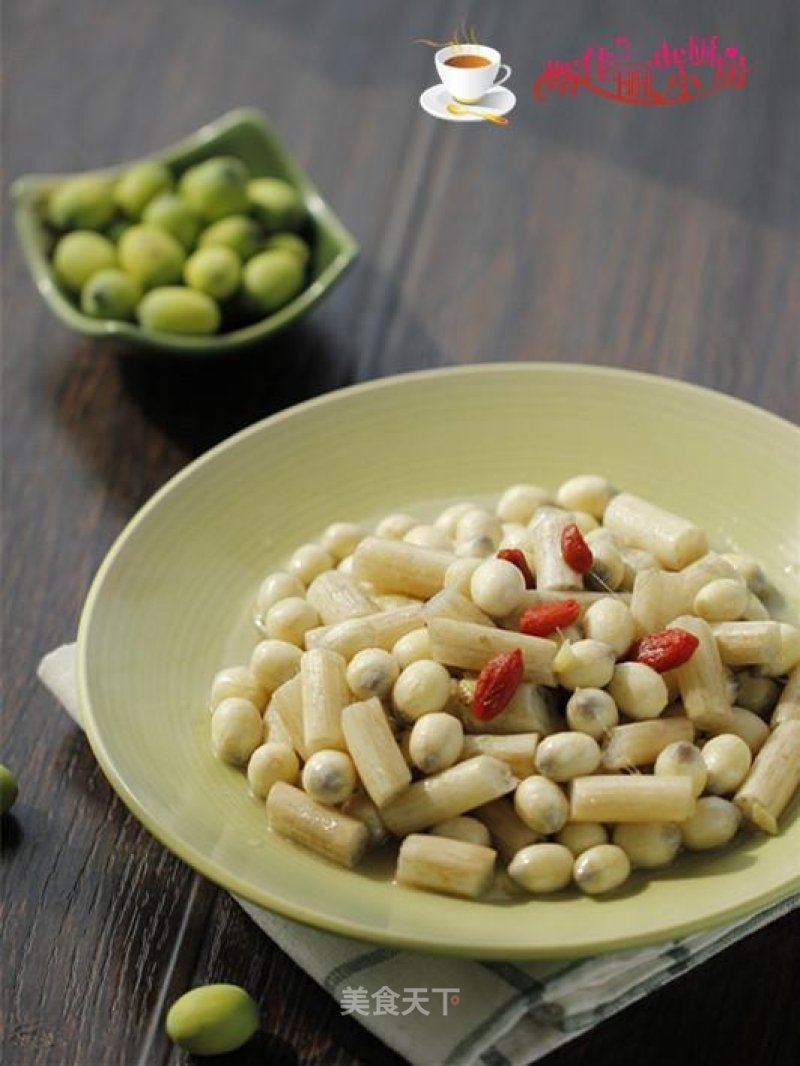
<point>517,557</point>
<point>497,682</point>
<point>576,552</point>
<point>664,650</point>
<point>545,618</point>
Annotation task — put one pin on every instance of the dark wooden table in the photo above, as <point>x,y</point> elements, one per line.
<point>663,239</point>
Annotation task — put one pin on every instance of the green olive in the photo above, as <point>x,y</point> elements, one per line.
<point>240,233</point>
<point>289,242</point>
<point>80,254</point>
<point>85,202</point>
<point>139,184</point>
<point>8,789</point>
<point>216,187</point>
<point>170,212</point>
<point>110,293</point>
<point>212,1019</point>
<point>174,309</point>
<point>116,228</point>
<point>271,279</point>
<point>216,271</point>
<point>276,204</point>
<point>151,256</point>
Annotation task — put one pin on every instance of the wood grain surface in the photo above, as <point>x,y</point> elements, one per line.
<point>661,239</point>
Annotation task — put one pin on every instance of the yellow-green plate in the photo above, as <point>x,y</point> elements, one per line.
<point>171,605</point>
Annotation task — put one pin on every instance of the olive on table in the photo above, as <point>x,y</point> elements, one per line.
<point>216,271</point>
<point>276,204</point>
<point>271,279</point>
<point>212,1019</point>
<point>151,256</point>
<point>175,309</point>
<point>80,254</point>
<point>170,212</point>
<point>216,187</point>
<point>9,789</point>
<point>139,185</point>
<point>110,293</point>
<point>289,242</point>
<point>240,233</point>
<point>84,202</point>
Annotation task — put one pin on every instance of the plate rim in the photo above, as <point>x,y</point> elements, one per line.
<point>278,905</point>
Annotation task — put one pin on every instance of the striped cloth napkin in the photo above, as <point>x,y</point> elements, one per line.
<point>441,1011</point>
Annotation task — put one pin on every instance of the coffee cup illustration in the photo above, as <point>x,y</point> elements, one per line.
<point>469,71</point>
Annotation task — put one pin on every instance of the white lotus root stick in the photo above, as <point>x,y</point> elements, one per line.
<point>469,647</point>
<point>275,732</point>
<point>773,779</point>
<point>453,791</point>
<point>747,643</point>
<point>441,864</point>
<point>701,679</point>
<point>673,540</point>
<point>336,597</point>
<point>325,694</point>
<point>364,810</point>
<point>638,798</point>
<point>747,725</point>
<point>394,566</point>
<point>449,603</point>
<point>640,743</point>
<point>787,708</point>
<point>287,706</point>
<point>552,572</point>
<point>654,599</point>
<point>381,630</point>
<point>325,830</point>
<point>661,595</point>
<point>709,567</point>
<point>516,749</point>
<point>509,832</point>
<point>375,752</point>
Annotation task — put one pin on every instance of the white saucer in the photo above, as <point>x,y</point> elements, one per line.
<point>499,100</point>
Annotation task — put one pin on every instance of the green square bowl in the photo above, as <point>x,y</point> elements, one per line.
<point>245,134</point>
